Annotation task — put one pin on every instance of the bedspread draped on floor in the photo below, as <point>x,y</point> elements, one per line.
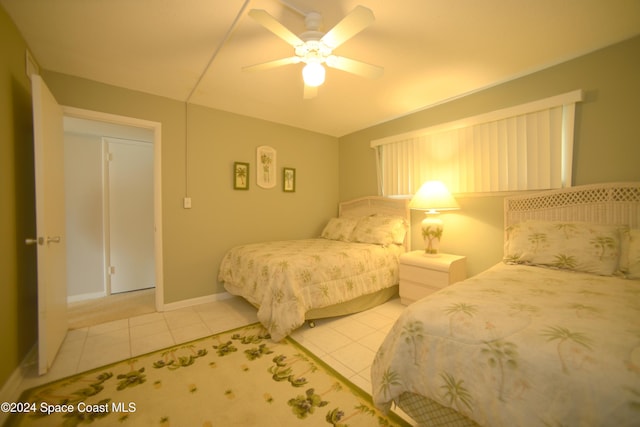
<point>285,279</point>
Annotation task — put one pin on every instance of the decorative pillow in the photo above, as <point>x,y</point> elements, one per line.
<point>380,230</point>
<point>630,259</point>
<point>578,246</point>
<point>623,265</point>
<point>339,229</point>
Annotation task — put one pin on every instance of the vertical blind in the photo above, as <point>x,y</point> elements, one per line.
<point>520,148</point>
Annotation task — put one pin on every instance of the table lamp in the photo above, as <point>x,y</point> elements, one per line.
<point>433,197</point>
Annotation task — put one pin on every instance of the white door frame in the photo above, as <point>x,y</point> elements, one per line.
<point>156,127</point>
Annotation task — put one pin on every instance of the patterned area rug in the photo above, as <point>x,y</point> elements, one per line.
<point>236,378</point>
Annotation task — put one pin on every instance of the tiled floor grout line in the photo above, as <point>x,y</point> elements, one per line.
<point>171,332</point>
<point>84,344</point>
<point>130,337</point>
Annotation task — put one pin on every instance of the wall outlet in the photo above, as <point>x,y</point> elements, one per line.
<point>186,202</point>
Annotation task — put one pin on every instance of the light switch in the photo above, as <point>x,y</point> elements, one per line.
<point>187,202</point>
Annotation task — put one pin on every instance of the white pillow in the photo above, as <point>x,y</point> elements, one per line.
<point>623,265</point>
<point>579,246</point>
<point>380,230</point>
<point>630,253</point>
<point>339,229</point>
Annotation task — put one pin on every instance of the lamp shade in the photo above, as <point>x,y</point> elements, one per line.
<point>433,196</point>
<point>313,74</point>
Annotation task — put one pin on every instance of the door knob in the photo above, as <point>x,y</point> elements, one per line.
<point>42,241</point>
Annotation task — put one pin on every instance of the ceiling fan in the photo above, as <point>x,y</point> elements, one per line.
<point>314,48</point>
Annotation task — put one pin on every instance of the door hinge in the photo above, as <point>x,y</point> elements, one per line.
<point>112,270</point>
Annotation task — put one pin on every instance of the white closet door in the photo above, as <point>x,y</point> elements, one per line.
<point>130,201</point>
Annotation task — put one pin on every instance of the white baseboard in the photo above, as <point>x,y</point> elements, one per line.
<point>196,301</point>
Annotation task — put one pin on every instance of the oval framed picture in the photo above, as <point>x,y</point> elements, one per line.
<point>266,166</point>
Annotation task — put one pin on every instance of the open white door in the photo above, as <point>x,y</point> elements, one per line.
<point>50,223</point>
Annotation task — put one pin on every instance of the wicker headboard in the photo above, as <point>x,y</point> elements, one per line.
<point>607,203</point>
<point>381,205</point>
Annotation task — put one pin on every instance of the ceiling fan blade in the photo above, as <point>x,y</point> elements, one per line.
<point>357,20</point>
<point>355,67</point>
<point>272,64</point>
<point>273,25</point>
<point>310,91</point>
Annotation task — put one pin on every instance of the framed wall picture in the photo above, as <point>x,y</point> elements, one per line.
<point>266,169</point>
<point>288,179</point>
<point>240,176</point>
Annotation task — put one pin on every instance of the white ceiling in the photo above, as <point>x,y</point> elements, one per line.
<point>431,50</point>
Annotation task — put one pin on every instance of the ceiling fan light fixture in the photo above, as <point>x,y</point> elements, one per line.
<point>313,74</point>
<point>315,48</point>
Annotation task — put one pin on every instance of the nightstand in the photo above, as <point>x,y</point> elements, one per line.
<point>421,275</point>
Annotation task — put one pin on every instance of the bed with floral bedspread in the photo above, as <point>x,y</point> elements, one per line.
<point>355,258</point>
<point>521,345</point>
<point>550,336</point>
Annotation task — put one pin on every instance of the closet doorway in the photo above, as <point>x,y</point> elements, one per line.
<point>128,214</point>
<point>112,174</point>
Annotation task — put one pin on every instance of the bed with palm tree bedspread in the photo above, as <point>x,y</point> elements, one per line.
<point>351,267</point>
<point>549,336</point>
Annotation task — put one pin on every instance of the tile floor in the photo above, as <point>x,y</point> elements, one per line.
<point>347,343</point>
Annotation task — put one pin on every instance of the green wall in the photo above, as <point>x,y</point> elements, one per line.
<point>194,240</point>
<point>18,301</point>
<point>607,142</point>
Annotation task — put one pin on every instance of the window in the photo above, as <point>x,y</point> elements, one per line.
<point>526,147</point>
